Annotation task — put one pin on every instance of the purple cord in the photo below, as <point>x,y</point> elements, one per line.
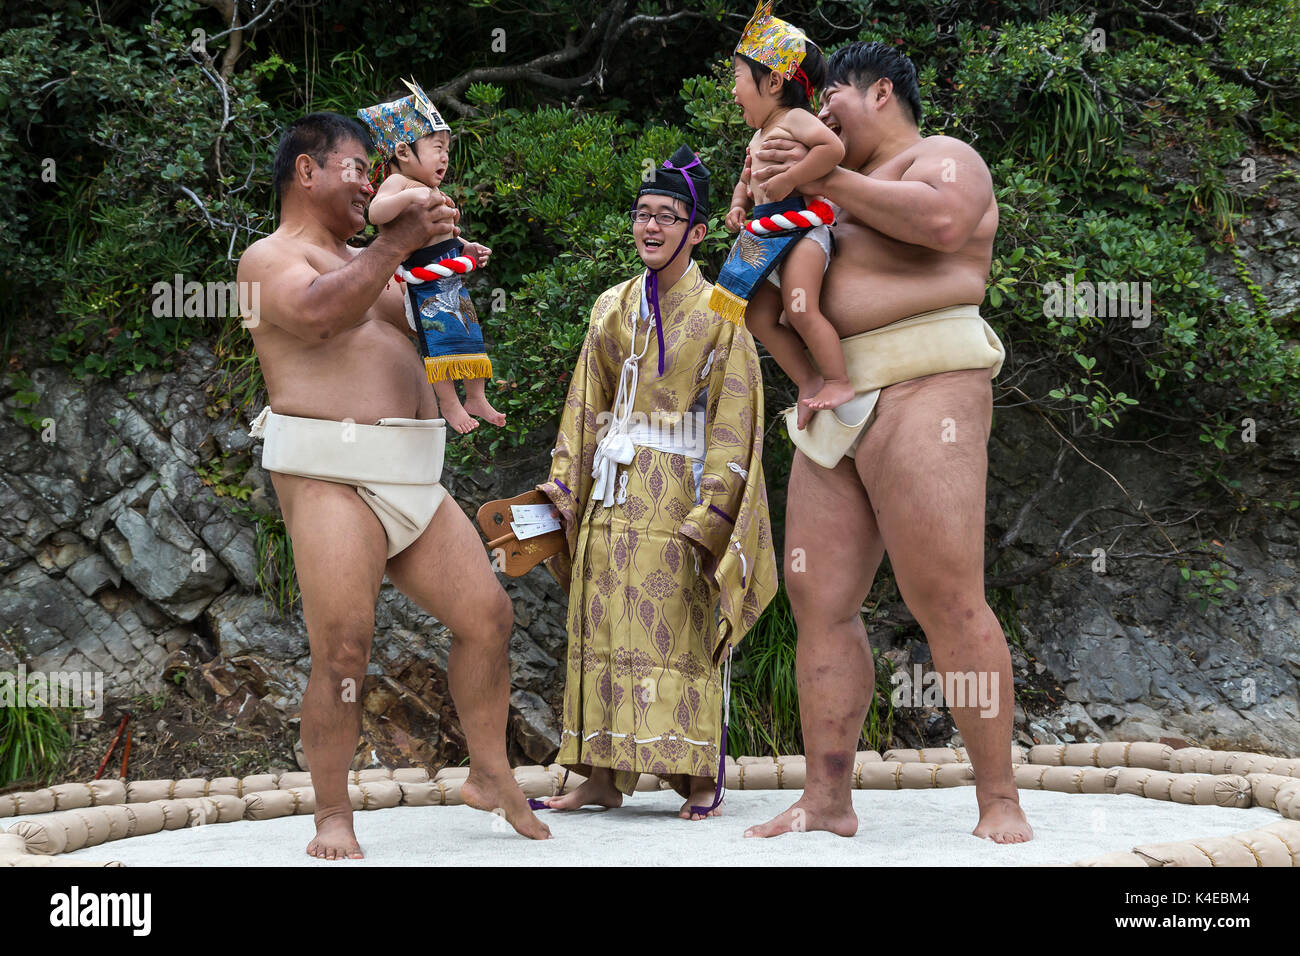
<point>652,284</point>
<point>720,784</point>
<point>535,804</point>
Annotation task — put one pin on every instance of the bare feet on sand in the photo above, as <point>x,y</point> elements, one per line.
<point>597,791</point>
<point>483,791</point>
<point>833,393</point>
<point>1002,821</point>
<point>484,410</point>
<point>457,417</point>
<point>335,839</point>
<point>702,792</point>
<point>805,816</point>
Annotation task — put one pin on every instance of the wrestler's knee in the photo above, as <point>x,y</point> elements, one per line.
<point>492,622</point>
<point>815,600</point>
<point>798,586</point>
<point>943,611</point>
<point>341,647</point>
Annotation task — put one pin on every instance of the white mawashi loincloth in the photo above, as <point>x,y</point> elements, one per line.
<point>945,340</point>
<point>395,465</point>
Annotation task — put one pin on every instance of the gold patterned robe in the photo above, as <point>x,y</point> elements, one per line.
<point>677,568</point>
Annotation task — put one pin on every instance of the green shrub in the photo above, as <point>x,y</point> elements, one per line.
<point>33,739</point>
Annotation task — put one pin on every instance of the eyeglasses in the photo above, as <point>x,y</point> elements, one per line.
<point>352,173</point>
<point>665,219</point>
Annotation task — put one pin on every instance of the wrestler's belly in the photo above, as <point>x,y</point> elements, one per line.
<point>368,373</point>
<point>873,281</point>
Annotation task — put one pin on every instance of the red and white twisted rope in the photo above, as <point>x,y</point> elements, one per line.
<point>817,214</point>
<point>442,269</point>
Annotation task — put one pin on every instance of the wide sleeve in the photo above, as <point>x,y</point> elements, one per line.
<point>590,393</point>
<point>730,524</point>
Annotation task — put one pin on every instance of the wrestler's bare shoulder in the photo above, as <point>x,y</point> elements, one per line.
<point>280,250</point>
<point>932,148</point>
<point>266,252</point>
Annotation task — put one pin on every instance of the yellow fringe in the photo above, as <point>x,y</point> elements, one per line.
<point>728,305</point>
<point>458,366</point>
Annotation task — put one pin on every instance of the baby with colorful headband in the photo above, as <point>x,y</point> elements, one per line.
<point>414,141</point>
<point>788,241</point>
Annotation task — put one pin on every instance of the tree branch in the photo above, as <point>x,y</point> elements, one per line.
<point>1232,72</point>
<point>602,35</point>
<point>1013,532</point>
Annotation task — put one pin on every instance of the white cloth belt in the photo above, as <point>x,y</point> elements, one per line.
<point>618,447</point>
<point>409,454</point>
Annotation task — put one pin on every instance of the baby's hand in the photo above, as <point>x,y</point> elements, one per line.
<point>735,219</point>
<point>477,251</point>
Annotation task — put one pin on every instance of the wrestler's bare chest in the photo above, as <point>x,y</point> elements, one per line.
<point>366,373</point>
<point>875,279</point>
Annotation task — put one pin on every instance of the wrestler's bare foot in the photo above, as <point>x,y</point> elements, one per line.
<point>483,791</point>
<point>484,410</point>
<point>1002,821</point>
<point>804,816</point>
<point>802,410</point>
<point>702,791</point>
<point>833,393</point>
<point>335,839</point>
<point>457,417</point>
<point>596,791</point>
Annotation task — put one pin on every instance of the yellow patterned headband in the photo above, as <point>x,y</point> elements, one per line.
<point>774,43</point>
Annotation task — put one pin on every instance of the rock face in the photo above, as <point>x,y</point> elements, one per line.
<point>1139,655</point>
<point>119,556</point>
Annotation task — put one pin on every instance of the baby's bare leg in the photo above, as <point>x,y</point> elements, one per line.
<point>476,402</point>
<point>450,408</point>
<point>801,286</point>
<point>762,318</point>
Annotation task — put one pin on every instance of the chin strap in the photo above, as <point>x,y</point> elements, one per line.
<point>652,283</point>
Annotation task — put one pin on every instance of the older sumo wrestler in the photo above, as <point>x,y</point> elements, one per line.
<point>901,467</point>
<point>354,448</point>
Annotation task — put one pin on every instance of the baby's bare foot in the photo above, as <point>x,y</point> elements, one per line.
<point>458,418</point>
<point>484,410</point>
<point>833,393</point>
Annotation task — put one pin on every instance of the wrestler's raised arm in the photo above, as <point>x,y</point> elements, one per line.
<point>938,203</point>
<point>312,305</point>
